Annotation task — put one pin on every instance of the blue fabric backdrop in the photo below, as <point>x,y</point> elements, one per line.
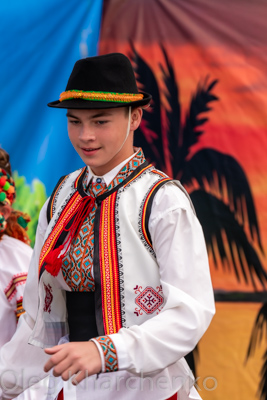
<point>39,42</point>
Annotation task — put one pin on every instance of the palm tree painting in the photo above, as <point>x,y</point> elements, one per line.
<point>215,181</point>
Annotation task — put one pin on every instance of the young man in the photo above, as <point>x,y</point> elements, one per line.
<point>119,287</point>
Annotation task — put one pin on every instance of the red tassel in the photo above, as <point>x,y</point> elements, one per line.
<point>53,261</point>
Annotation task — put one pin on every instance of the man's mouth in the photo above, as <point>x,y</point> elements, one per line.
<point>90,149</point>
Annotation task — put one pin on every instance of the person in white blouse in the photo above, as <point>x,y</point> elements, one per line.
<point>15,256</point>
<point>119,288</point>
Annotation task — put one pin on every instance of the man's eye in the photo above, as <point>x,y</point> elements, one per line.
<point>74,121</point>
<point>102,122</point>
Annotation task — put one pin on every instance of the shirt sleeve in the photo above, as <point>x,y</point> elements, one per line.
<point>179,245</point>
<point>14,264</point>
<point>17,358</point>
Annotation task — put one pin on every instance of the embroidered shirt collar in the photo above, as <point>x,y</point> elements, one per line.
<point>109,176</point>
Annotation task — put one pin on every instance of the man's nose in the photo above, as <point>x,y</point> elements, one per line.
<point>86,133</point>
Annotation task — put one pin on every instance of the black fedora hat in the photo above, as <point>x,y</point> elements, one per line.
<point>105,81</point>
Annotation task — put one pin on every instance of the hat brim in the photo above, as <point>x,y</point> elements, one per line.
<point>88,104</point>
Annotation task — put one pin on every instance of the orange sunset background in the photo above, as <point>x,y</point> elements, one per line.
<point>224,41</point>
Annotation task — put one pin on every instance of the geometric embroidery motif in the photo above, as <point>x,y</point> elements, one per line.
<point>128,168</point>
<point>149,300</point>
<point>109,351</point>
<point>11,289</point>
<point>77,264</point>
<point>48,298</point>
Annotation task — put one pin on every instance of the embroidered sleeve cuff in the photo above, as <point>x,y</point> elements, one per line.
<point>109,353</point>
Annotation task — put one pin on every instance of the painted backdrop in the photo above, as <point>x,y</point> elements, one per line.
<point>205,63</point>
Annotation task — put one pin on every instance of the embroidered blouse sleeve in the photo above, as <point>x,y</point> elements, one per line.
<point>14,264</point>
<point>107,352</point>
<point>178,242</point>
<point>31,290</point>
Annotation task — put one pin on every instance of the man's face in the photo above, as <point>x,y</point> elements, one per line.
<point>98,137</point>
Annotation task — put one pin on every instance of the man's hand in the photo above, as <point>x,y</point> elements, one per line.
<point>81,358</point>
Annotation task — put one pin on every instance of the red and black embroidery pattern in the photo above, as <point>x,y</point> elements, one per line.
<point>48,298</point>
<point>148,300</point>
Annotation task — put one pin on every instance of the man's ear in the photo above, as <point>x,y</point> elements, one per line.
<point>136,117</point>
<point>5,211</point>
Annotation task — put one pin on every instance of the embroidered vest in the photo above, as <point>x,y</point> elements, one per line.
<point>126,275</point>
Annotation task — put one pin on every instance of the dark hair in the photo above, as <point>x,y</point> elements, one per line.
<point>4,161</point>
<point>14,228</point>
